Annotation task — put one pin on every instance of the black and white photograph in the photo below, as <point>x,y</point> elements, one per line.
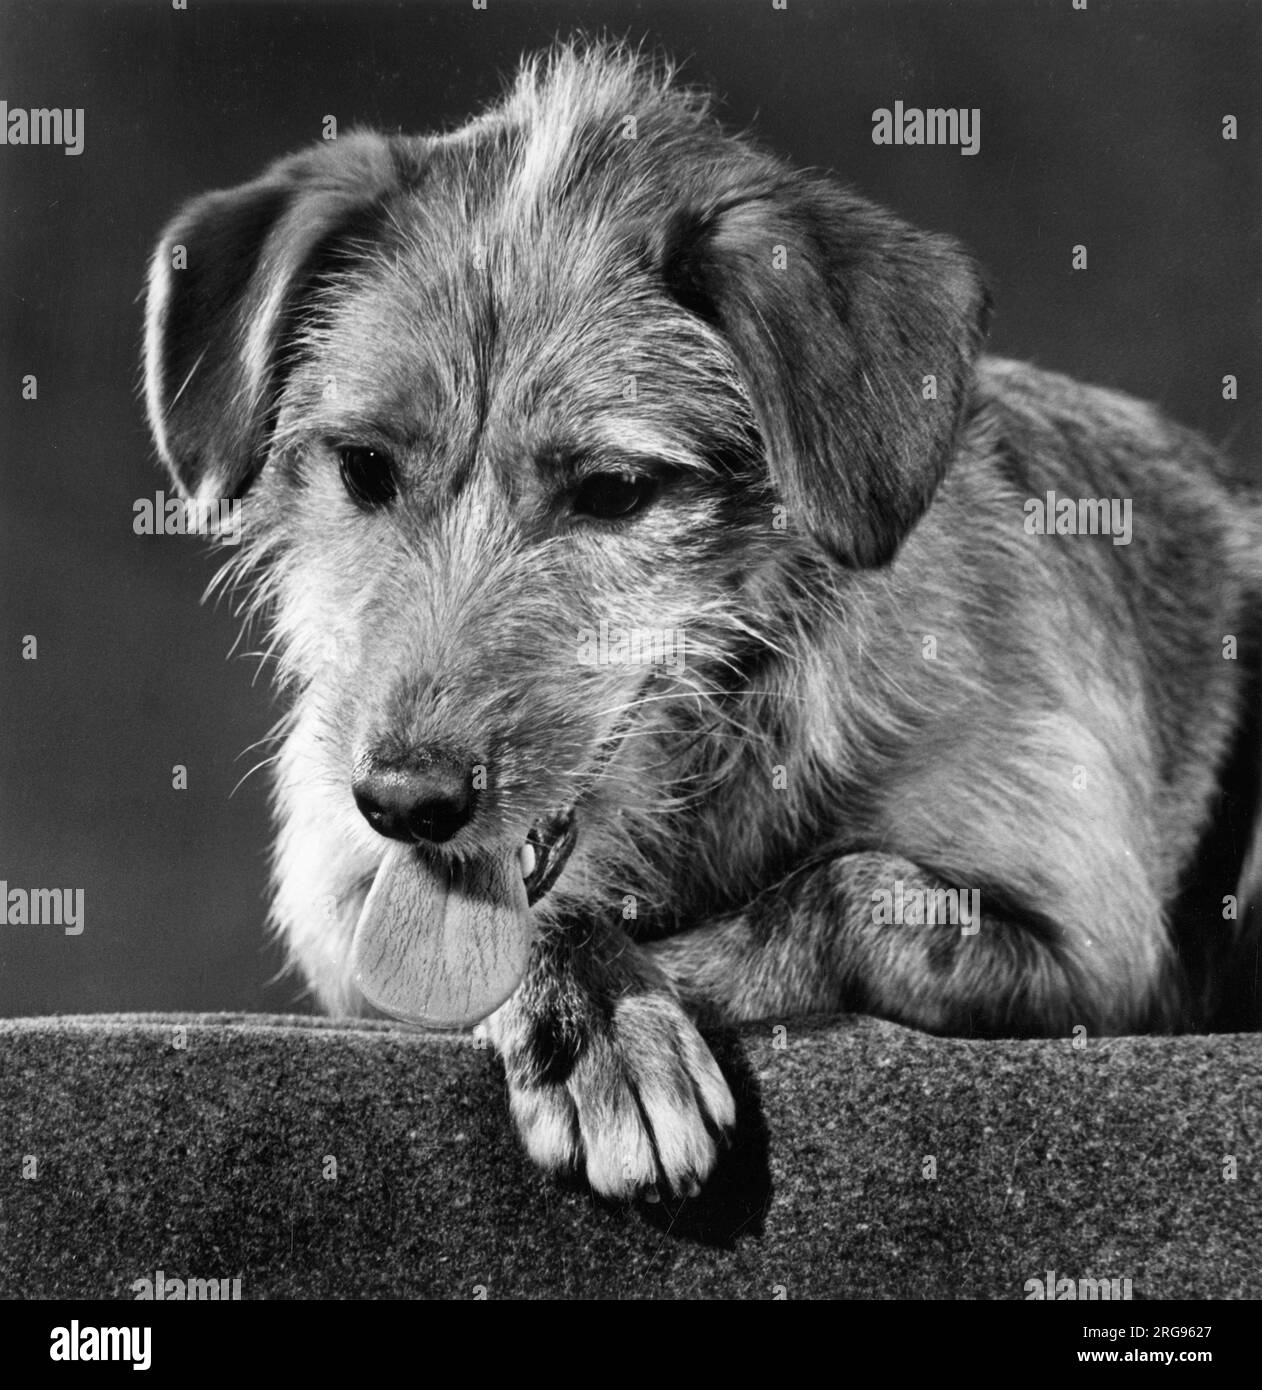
<point>631,662</point>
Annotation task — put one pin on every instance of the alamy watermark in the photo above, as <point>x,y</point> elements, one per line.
<point>1079,516</point>
<point>85,1343</point>
<point>161,515</point>
<point>164,1288</point>
<point>42,126</point>
<point>911,125</point>
<point>1053,1288</point>
<point>928,907</point>
<point>634,646</point>
<point>42,907</point>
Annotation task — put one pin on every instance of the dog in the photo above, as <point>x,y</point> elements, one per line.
<point>963,652</point>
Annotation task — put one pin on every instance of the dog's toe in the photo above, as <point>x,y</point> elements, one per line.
<point>649,1102</point>
<point>545,1119</point>
<point>617,1144</point>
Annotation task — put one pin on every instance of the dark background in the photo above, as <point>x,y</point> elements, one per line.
<point>1100,127</point>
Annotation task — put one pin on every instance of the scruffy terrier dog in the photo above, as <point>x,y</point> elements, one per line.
<point>507,405</point>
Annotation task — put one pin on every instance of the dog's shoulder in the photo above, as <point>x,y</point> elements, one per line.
<point>1046,429</point>
<point>1044,403</point>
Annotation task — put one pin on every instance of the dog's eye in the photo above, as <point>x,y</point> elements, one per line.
<point>612,496</point>
<point>368,475</point>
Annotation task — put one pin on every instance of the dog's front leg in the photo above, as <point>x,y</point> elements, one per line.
<point>852,933</point>
<point>607,1075</point>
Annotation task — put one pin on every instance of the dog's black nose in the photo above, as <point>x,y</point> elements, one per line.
<point>427,795</point>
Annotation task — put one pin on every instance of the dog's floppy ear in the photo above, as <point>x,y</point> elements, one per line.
<point>225,283</point>
<point>838,314</point>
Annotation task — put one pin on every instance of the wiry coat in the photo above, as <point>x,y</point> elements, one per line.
<point>888,678</point>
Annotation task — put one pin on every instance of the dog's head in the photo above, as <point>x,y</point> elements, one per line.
<point>531,415</point>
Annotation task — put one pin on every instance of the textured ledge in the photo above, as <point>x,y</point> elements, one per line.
<point>207,1161</point>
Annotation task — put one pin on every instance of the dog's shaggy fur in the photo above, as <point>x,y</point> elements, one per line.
<point>888,679</point>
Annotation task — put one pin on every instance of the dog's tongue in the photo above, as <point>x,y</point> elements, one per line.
<point>442,947</point>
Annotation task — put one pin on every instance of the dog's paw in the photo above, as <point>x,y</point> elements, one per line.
<point>643,1110</point>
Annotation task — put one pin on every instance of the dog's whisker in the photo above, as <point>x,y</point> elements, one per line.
<point>258,766</point>
<point>272,736</point>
